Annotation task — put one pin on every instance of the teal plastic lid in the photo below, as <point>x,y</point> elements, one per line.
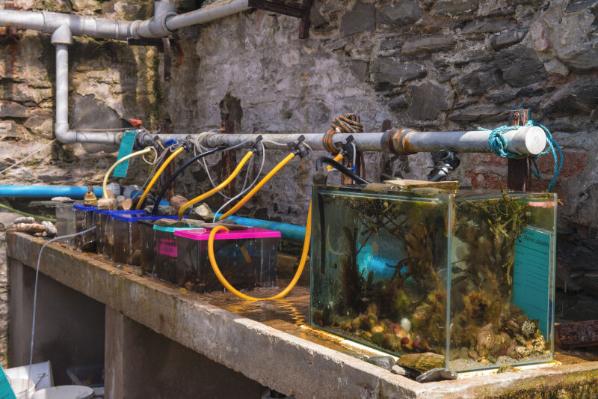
<point>172,229</point>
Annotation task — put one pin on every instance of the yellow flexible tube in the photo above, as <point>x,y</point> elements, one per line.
<point>338,158</point>
<point>157,176</point>
<point>258,186</point>
<point>123,159</point>
<point>218,188</point>
<point>281,294</point>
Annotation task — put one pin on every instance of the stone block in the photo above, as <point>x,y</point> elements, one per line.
<point>11,109</point>
<point>507,38</point>
<point>362,18</point>
<point>390,72</point>
<point>403,12</point>
<point>520,66</point>
<point>428,100</point>
<point>452,8</point>
<point>428,44</point>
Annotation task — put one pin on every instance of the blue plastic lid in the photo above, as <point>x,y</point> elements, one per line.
<point>132,218</point>
<point>84,208</point>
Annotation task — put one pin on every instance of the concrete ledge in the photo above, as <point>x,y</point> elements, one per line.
<point>274,358</point>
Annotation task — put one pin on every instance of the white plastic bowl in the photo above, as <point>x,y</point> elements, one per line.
<point>64,392</point>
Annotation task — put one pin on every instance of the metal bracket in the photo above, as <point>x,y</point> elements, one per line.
<point>518,174</point>
<point>294,9</point>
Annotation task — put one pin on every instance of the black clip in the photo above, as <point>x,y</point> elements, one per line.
<point>300,148</point>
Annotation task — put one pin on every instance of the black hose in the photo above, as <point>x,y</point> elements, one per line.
<point>177,173</point>
<point>180,170</point>
<point>344,170</point>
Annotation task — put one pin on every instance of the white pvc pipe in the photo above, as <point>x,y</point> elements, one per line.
<point>62,38</point>
<point>48,22</point>
<point>526,140</point>
<point>207,14</point>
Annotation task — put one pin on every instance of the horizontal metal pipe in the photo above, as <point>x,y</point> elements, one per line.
<point>364,141</point>
<point>206,14</point>
<point>527,140</point>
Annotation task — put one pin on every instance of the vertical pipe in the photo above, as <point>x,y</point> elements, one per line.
<point>62,88</point>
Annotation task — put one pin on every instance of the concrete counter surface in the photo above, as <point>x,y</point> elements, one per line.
<point>270,342</point>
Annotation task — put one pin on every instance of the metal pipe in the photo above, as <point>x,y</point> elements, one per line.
<point>526,140</point>
<point>206,14</point>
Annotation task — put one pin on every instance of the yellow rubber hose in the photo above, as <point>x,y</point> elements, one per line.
<point>281,294</point>
<point>218,188</point>
<point>258,186</point>
<point>123,159</point>
<point>157,176</point>
<point>338,158</point>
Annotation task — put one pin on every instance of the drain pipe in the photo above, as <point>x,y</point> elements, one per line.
<point>162,24</point>
<point>61,39</point>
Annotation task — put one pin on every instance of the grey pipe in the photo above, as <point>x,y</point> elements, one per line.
<point>61,39</point>
<point>49,22</point>
<point>207,14</point>
<point>527,140</point>
<point>162,24</point>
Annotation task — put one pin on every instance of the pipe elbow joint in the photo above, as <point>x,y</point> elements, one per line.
<point>63,134</point>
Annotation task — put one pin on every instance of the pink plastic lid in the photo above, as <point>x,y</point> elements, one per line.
<point>246,234</point>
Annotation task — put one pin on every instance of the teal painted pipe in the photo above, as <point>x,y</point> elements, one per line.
<point>289,231</point>
<point>39,192</point>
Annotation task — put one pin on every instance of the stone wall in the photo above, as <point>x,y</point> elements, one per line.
<point>425,64</point>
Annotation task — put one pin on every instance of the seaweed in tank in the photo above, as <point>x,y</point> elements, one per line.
<point>403,308</point>
<point>403,312</point>
<point>486,327</point>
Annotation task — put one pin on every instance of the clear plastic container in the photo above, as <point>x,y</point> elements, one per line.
<point>247,258</point>
<point>469,276</point>
<point>166,252</point>
<point>65,219</point>
<point>104,229</point>
<point>84,220</point>
<point>126,234</point>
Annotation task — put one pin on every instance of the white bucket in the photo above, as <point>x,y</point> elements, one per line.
<point>22,387</point>
<point>64,392</point>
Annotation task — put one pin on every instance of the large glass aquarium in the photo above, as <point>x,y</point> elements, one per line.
<point>466,275</point>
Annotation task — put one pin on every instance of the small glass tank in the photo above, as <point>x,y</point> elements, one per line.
<point>466,275</point>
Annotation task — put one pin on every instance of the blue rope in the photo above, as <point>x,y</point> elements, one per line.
<point>498,145</point>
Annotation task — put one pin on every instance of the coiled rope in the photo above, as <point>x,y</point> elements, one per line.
<point>498,145</point>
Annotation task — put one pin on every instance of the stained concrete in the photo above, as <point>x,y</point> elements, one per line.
<point>284,361</point>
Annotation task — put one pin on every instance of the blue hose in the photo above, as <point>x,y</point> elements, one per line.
<point>288,231</point>
<point>41,192</point>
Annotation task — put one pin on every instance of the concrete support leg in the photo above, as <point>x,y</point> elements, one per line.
<point>143,364</point>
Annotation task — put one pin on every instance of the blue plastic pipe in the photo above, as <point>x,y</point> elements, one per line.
<point>289,231</point>
<point>74,192</point>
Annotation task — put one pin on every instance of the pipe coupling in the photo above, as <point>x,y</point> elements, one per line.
<point>398,141</point>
